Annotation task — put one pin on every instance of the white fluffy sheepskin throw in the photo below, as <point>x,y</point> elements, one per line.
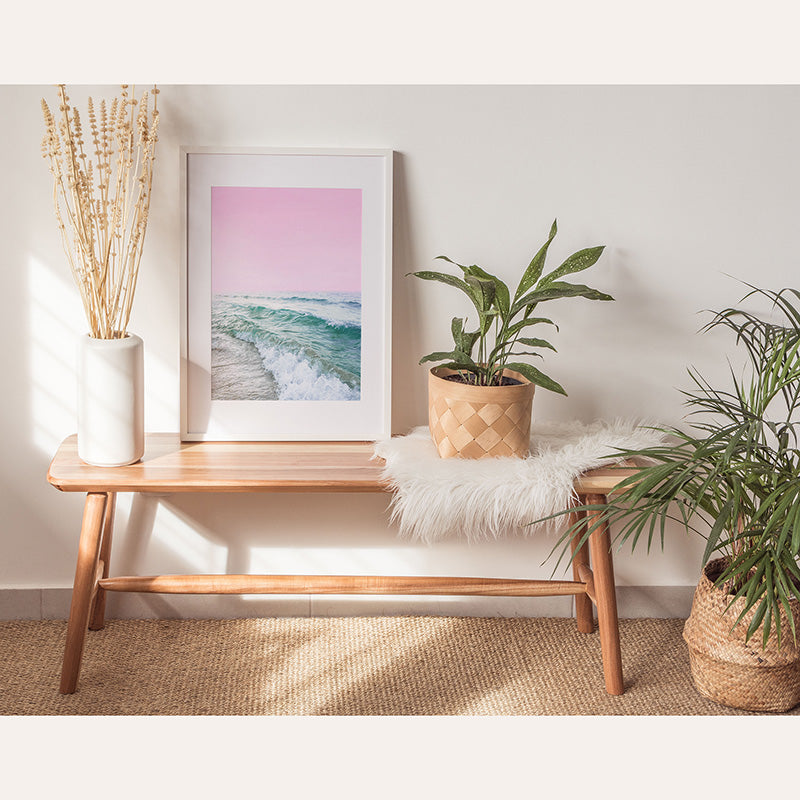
<point>436,498</point>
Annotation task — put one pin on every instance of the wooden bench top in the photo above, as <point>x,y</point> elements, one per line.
<point>170,465</point>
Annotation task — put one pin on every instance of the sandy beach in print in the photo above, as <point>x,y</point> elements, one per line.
<point>286,283</point>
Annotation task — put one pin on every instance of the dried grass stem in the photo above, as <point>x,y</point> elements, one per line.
<point>102,203</point>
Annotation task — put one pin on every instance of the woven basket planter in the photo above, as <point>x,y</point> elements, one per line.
<point>729,670</point>
<point>479,421</point>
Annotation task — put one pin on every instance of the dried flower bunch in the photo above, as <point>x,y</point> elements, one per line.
<point>102,200</point>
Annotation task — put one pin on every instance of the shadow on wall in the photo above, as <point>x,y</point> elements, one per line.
<point>185,533</point>
<point>409,385</point>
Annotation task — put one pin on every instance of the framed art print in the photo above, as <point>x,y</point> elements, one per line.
<point>286,294</point>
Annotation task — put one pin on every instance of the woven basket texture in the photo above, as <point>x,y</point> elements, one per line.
<point>729,670</point>
<point>479,421</point>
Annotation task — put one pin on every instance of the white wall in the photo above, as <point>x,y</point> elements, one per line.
<point>683,185</point>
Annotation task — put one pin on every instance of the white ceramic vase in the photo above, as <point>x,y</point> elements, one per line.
<point>110,400</point>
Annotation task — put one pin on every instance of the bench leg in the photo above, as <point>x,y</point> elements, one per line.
<point>584,615</point>
<point>85,577</point>
<point>97,614</point>
<point>605,590</point>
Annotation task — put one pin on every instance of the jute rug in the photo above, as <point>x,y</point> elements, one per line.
<point>349,666</point>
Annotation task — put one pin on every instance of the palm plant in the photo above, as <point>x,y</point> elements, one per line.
<point>737,470</point>
<point>503,319</point>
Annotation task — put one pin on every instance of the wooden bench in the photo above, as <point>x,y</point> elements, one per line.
<point>170,465</point>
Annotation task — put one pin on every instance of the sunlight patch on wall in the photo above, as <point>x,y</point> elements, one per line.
<point>193,550</point>
<point>56,321</point>
<point>336,561</point>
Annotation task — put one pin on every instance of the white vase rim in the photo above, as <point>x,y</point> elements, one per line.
<point>129,338</point>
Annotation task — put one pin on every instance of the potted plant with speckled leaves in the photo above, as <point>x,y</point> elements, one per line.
<point>480,397</point>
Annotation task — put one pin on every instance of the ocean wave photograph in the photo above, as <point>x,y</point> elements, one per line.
<point>286,293</point>
<point>286,346</point>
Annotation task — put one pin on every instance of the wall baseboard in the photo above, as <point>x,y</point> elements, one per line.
<point>632,602</point>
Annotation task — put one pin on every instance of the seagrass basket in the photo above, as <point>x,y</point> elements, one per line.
<point>729,670</point>
<point>479,421</point>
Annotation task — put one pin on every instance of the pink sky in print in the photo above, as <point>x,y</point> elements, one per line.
<point>267,240</point>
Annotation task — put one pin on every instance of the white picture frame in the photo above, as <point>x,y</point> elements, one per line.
<point>257,224</point>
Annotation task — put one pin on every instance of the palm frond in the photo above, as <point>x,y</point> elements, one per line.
<point>733,476</point>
